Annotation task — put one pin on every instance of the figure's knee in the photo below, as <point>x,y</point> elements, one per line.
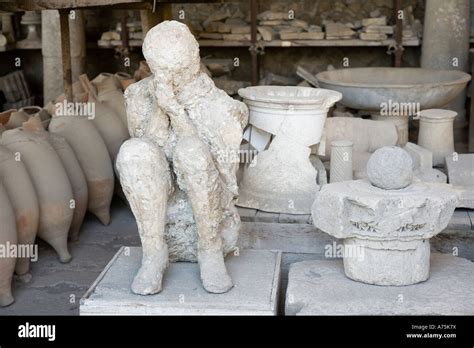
<point>139,155</point>
<point>192,154</point>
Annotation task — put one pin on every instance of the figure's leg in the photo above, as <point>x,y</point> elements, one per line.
<point>195,166</point>
<point>146,182</point>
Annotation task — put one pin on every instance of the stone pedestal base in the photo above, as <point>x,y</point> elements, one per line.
<point>391,263</point>
<point>256,275</point>
<point>321,288</point>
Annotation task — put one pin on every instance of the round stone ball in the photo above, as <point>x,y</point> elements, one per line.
<point>390,168</point>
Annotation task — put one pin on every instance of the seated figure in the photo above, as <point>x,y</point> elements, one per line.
<point>175,170</point>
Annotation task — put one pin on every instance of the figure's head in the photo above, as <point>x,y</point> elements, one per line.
<point>169,47</point>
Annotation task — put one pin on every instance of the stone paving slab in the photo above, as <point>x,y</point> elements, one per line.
<point>459,221</point>
<point>256,276</point>
<point>321,288</point>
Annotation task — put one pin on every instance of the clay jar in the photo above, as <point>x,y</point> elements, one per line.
<point>23,199</point>
<point>33,111</point>
<point>74,172</point>
<point>51,185</point>
<point>142,72</point>
<point>125,79</point>
<point>109,92</point>
<point>111,129</point>
<point>94,159</point>
<point>7,237</point>
<point>12,119</point>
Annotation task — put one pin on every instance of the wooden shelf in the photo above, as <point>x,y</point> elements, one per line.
<point>281,43</point>
<point>337,43</point>
<point>8,47</point>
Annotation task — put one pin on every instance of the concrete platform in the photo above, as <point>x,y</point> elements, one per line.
<point>256,275</point>
<point>321,288</point>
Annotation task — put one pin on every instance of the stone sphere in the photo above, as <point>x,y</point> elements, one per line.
<point>390,168</point>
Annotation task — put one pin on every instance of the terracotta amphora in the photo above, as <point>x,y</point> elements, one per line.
<point>112,130</point>
<point>74,172</point>
<point>94,159</point>
<point>51,184</point>
<point>12,119</point>
<point>22,194</point>
<point>110,93</point>
<point>8,239</point>
<point>125,79</point>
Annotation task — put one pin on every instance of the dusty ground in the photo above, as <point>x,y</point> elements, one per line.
<point>56,288</point>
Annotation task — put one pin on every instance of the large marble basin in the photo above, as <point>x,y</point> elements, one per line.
<point>368,88</point>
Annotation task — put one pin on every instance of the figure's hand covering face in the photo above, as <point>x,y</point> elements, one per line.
<point>170,48</point>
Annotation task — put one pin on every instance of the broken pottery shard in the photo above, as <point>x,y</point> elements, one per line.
<point>217,16</point>
<point>385,232</point>
<point>268,34</point>
<point>235,21</point>
<point>272,16</point>
<point>380,29</point>
<point>302,36</point>
<point>374,21</point>
<point>211,36</point>
<point>272,23</point>
<point>299,23</point>
<point>239,37</point>
<point>219,67</point>
<point>240,29</point>
<point>338,30</point>
<point>179,169</point>
<point>373,36</point>
<point>223,28</point>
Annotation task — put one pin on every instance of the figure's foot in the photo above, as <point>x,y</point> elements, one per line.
<point>6,298</point>
<point>150,276</point>
<point>23,278</point>
<point>214,274</point>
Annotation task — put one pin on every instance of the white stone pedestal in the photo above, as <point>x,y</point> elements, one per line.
<point>321,288</point>
<point>256,275</point>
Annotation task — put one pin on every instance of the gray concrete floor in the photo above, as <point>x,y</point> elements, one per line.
<point>55,288</point>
